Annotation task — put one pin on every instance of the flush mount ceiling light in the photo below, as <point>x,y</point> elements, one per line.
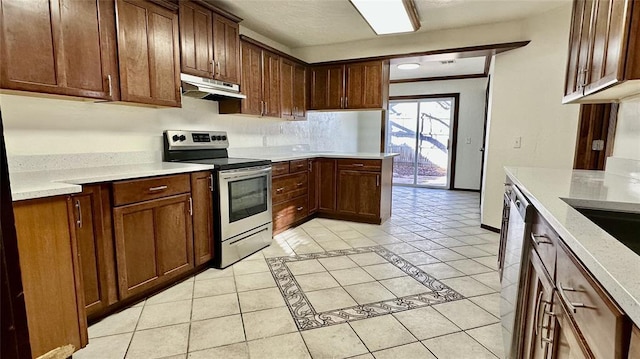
<point>389,16</point>
<point>410,66</point>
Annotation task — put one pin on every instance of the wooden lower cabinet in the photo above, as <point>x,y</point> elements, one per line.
<point>313,187</point>
<point>566,343</point>
<point>92,224</point>
<point>201,192</point>
<point>634,346</point>
<point>50,274</point>
<point>154,242</point>
<point>326,172</point>
<point>289,194</point>
<point>536,318</point>
<point>358,193</point>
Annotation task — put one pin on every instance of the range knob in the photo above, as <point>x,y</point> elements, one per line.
<point>213,138</point>
<point>182,138</point>
<point>219,138</point>
<point>175,138</point>
<point>224,138</point>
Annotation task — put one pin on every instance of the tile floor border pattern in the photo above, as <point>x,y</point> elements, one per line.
<point>306,317</point>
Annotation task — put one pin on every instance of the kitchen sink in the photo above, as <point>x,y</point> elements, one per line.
<point>623,226</point>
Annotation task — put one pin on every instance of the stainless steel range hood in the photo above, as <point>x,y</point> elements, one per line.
<point>208,89</point>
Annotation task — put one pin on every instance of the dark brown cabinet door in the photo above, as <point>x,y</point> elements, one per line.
<point>287,88</point>
<point>313,185</point>
<point>50,274</point>
<point>226,48</point>
<point>299,92</point>
<point>148,53</point>
<point>271,84</point>
<point>578,48</point>
<point>92,219</point>
<point>566,343</point>
<point>327,185</point>
<point>364,85</point>
<point>154,241</point>
<point>59,47</point>
<point>196,43</point>
<point>251,79</point>
<point>327,87</point>
<point>201,191</point>
<point>359,193</point>
<point>536,319</point>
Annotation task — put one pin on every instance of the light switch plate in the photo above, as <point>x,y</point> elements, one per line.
<point>468,140</point>
<point>517,143</point>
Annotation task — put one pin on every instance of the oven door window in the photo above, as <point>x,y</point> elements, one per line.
<point>247,198</point>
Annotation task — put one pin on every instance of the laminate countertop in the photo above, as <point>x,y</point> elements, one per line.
<point>39,184</point>
<point>554,192</point>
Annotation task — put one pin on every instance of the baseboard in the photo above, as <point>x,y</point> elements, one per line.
<point>466,190</point>
<point>489,228</point>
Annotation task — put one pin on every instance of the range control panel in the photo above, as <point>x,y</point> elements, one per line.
<point>185,140</point>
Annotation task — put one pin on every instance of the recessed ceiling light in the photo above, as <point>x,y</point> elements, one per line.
<point>389,16</point>
<point>410,66</point>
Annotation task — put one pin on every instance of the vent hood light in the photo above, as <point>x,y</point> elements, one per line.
<point>389,16</point>
<point>411,66</point>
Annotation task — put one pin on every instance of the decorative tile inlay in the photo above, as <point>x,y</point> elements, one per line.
<point>306,317</point>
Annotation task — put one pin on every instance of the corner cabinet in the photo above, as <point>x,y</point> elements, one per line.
<point>361,186</point>
<point>148,53</point>
<point>209,43</point>
<point>153,231</point>
<point>358,85</point>
<point>603,63</point>
<point>59,47</point>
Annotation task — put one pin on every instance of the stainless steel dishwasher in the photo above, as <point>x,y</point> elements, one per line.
<point>514,253</point>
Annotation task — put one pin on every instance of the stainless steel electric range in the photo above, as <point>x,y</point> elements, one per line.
<point>241,190</point>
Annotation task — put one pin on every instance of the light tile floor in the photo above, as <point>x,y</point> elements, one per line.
<point>422,285</point>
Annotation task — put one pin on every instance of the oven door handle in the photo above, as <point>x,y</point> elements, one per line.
<point>244,174</point>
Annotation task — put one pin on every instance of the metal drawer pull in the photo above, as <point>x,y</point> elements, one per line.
<point>572,306</point>
<point>211,182</point>
<point>536,313</point>
<point>190,206</point>
<point>534,238</point>
<point>299,184</point>
<point>300,208</point>
<point>279,189</point>
<point>358,165</point>
<point>159,188</point>
<point>79,208</point>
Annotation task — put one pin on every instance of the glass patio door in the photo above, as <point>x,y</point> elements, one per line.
<point>420,130</point>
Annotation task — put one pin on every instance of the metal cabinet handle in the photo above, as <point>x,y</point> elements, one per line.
<point>377,180</point>
<point>190,206</point>
<point>300,208</point>
<point>110,86</point>
<point>534,238</point>
<point>211,182</point>
<point>159,188</point>
<point>299,184</point>
<point>279,189</point>
<point>266,107</point>
<point>218,65</point>
<point>341,102</point>
<point>358,165</point>
<point>346,102</point>
<point>572,305</point>
<point>79,209</point>
<point>536,313</point>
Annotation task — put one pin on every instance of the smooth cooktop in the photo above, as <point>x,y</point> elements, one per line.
<point>222,164</point>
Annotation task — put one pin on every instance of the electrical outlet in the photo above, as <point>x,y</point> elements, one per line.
<point>517,143</point>
<point>468,140</point>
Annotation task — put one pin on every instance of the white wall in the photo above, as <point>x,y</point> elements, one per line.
<point>627,142</point>
<point>470,122</point>
<point>35,126</point>
<point>527,88</point>
<point>369,131</point>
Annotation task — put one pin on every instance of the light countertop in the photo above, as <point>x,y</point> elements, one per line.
<point>292,155</point>
<point>38,184</point>
<point>615,266</point>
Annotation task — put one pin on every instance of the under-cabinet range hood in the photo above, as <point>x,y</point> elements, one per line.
<point>208,89</point>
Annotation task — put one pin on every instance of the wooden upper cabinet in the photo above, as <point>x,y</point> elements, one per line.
<point>148,53</point>
<point>299,92</point>
<point>603,65</point>
<point>270,84</point>
<point>196,43</point>
<point>59,47</point>
<point>226,48</point>
<point>358,85</point>
<point>251,84</point>
<point>327,87</point>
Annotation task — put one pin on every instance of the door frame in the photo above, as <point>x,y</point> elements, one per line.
<point>454,132</point>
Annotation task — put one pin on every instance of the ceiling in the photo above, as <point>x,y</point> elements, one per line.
<point>301,23</point>
<point>435,68</point>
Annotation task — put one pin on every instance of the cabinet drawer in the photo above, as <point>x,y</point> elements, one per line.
<point>298,166</point>
<point>289,212</point>
<point>599,320</point>
<point>279,168</point>
<point>360,165</point>
<point>287,187</point>
<point>545,241</point>
<point>125,192</point>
